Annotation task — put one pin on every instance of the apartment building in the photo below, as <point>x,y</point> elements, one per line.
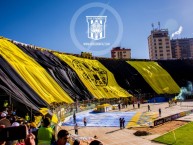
<point>159,45</point>
<point>182,48</point>
<point>121,53</point>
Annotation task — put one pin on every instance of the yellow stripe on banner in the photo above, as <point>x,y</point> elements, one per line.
<point>33,73</point>
<point>97,78</point>
<point>134,120</point>
<point>157,77</point>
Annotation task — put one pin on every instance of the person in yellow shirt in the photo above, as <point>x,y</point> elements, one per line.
<point>27,118</point>
<point>45,133</point>
<point>5,104</point>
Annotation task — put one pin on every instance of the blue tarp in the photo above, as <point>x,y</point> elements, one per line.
<point>109,119</point>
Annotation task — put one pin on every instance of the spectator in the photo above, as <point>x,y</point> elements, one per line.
<point>74,117</point>
<point>3,115</point>
<point>12,118</point>
<point>169,102</point>
<point>84,121</point>
<point>160,112</point>
<point>148,108</point>
<point>5,110</point>
<point>14,112</point>
<point>62,137</point>
<point>138,105</point>
<point>76,128</point>
<point>96,142</point>
<point>176,101</point>
<point>123,122</point>
<point>33,129</point>
<point>5,104</point>
<point>120,123</point>
<point>133,105</point>
<point>27,118</point>
<point>119,106</point>
<point>28,141</point>
<point>4,120</point>
<point>15,124</point>
<point>45,133</point>
<point>76,142</point>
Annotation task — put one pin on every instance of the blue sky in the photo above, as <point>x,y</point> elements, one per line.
<point>55,24</point>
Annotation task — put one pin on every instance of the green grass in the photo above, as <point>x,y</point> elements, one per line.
<point>183,135</point>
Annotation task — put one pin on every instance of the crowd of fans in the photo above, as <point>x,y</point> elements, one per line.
<point>44,134</point>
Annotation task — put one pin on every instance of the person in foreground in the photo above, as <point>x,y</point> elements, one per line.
<point>29,140</point>
<point>62,138</point>
<point>96,142</point>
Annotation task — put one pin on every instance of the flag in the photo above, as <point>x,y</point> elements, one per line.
<point>54,119</point>
<point>44,111</point>
<point>37,120</point>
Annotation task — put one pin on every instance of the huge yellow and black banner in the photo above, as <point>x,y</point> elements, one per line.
<point>60,71</point>
<point>33,73</point>
<point>98,80</point>
<point>157,77</point>
<point>127,77</point>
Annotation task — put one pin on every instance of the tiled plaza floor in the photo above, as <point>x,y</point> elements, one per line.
<point>116,136</point>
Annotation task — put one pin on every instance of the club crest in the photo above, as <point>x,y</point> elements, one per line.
<point>96,27</point>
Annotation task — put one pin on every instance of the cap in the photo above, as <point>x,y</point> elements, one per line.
<point>33,124</point>
<point>15,124</point>
<point>3,115</point>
